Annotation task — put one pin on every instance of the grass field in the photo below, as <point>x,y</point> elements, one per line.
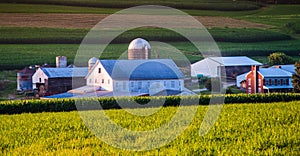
<point>241,129</point>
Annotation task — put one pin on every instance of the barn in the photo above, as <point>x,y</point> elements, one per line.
<point>49,81</point>
<point>214,66</point>
<point>136,76</point>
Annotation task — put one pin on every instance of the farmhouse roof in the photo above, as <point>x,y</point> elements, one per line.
<point>274,72</point>
<point>234,61</point>
<point>65,72</point>
<point>290,68</point>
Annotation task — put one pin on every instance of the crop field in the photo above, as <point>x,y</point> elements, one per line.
<point>17,56</point>
<point>224,5</point>
<point>241,129</point>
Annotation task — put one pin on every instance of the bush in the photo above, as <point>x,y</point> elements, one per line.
<point>60,105</point>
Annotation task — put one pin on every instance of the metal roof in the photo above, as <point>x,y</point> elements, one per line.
<point>65,72</point>
<point>234,61</point>
<point>142,69</point>
<point>240,78</point>
<point>290,68</point>
<point>274,72</point>
<point>139,43</point>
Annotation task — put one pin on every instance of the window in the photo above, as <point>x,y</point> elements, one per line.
<point>276,82</point>
<point>40,79</point>
<point>287,82</point>
<point>172,84</point>
<point>259,90</point>
<point>131,84</point>
<point>249,90</point>
<point>99,70</point>
<point>270,82</point>
<point>90,80</point>
<point>281,82</point>
<point>102,80</point>
<point>108,81</point>
<point>96,80</point>
<point>249,82</point>
<point>124,85</point>
<point>259,82</point>
<point>165,83</point>
<point>179,83</point>
<point>148,83</point>
<point>139,84</point>
<point>264,82</point>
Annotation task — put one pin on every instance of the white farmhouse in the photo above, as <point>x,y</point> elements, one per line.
<point>135,76</point>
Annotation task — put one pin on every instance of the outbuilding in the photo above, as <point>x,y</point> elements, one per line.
<point>49,81</point>
<point>218,66</point>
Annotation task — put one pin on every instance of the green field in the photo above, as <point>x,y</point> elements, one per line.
<point>21,35</point>
<point>17,56</point>
<point>241,129</point>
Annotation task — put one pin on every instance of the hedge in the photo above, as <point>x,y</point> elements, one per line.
<point>60,105</point>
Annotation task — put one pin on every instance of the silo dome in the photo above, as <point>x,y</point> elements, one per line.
<point>139,49</point>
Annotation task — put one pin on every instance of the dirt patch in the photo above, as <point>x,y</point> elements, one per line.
<point>89,20</point>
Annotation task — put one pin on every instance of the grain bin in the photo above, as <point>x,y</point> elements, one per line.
<point>139,49</point>
<point>61,61</point>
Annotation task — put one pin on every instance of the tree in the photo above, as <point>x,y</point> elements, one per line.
<point>296,78</point>
<point>279,58</point>
<point>213,84</point>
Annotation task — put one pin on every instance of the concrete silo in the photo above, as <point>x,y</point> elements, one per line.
<point>139,49</point>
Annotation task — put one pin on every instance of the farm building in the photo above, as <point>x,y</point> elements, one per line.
<point>265,80</point>
<point>24,79</point>
<point>50,81</point>
<point>140,76</point>
<point>214,66</point>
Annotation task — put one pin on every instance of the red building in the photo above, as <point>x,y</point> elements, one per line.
<point>265,80</point>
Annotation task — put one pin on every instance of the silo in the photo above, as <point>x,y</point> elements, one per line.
<point>139,49</point>
<point>92,62</point>
<point>61,61</point>
<point>24,79</point>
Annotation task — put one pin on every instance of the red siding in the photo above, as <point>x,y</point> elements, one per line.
<point>254,81</point>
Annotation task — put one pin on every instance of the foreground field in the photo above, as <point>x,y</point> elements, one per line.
<point>267,129</point>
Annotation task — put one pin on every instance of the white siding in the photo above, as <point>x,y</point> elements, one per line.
<point>38,77</point>
<point>143,86</point>
<point>206,67</point>
<point>102,79</point>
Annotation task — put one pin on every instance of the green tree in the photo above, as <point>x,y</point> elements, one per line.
<point>279,58</point>
<point>296,78</point>
<point>213,84</point>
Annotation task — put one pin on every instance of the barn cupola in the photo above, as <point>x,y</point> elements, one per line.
<point>92,61</point>
<point>139,49</point>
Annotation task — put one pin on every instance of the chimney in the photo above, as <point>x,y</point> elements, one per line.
<point>255,70</point>
<point>278,66</point>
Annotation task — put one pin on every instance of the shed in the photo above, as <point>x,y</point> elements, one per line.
<point>51,81</point>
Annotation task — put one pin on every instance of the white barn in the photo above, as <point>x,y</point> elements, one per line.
<point>136,76</point>
<point>212,66</point>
